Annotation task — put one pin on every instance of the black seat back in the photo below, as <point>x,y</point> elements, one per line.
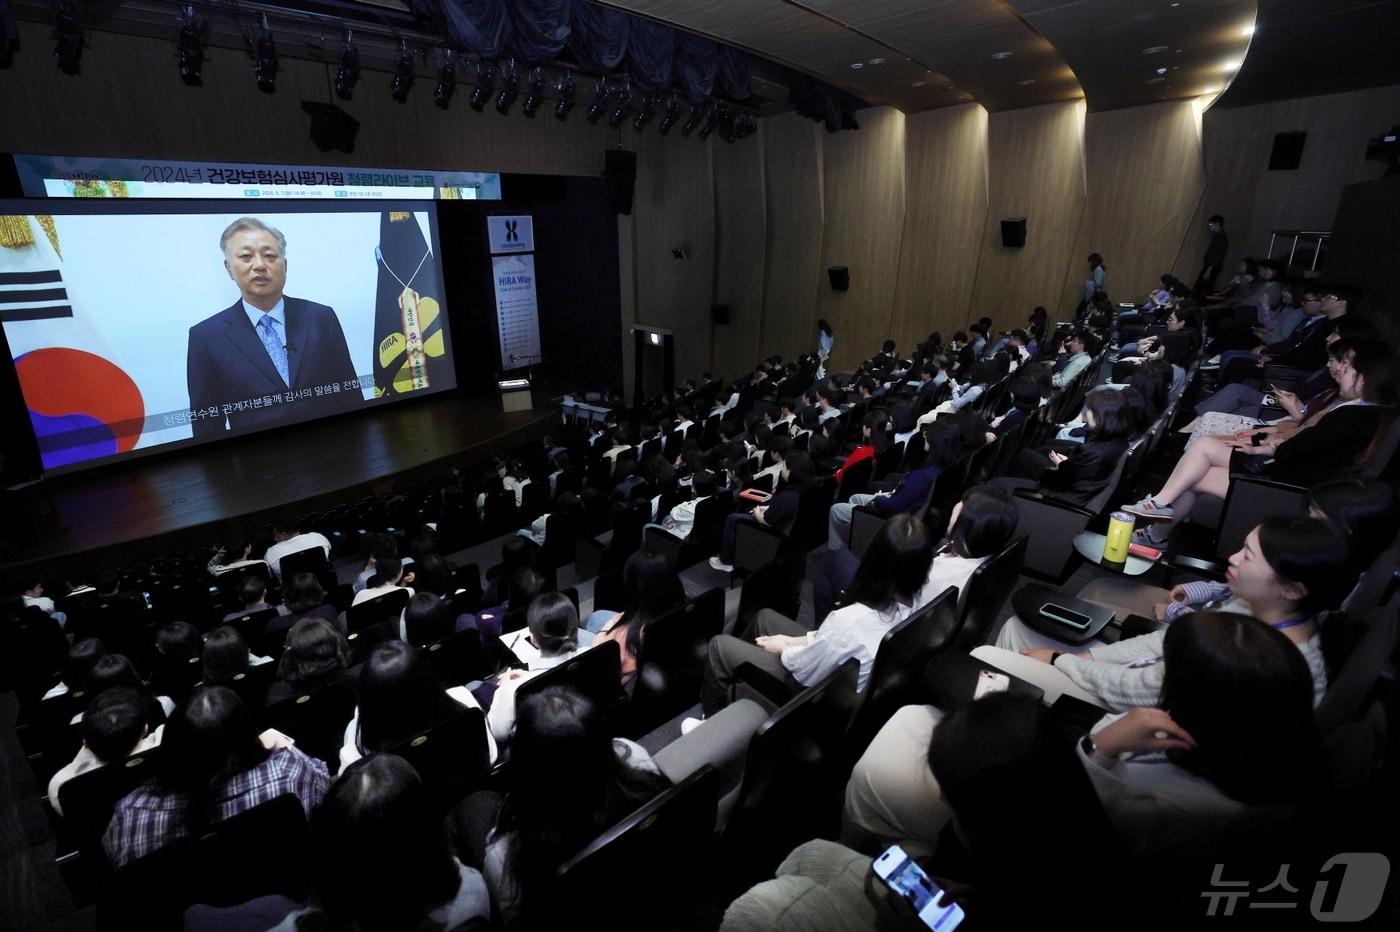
<point>458,658</point>
<point>795,763</point>
<point>855,478</point>
<point>897,672</point>
<point>452,757</point>
<point>671,664</point>
<point>986,592</point>
<point>595,672</point>
<point>316,718</point>
<point>669,838</point>
<point>89,798</point>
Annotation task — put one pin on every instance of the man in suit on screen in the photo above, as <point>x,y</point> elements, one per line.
<point>269,359</point>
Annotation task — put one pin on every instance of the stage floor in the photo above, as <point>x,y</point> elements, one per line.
<point>177,501</point>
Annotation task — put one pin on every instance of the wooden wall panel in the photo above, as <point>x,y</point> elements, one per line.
<point>740,237</point>
<point>674,206</point>
<point>1035,170</point>
<point>1146,176</point>
<point>792,263</point>
<point>1256,201</point>
<point>863,207</point>
<point>945,169</point>
<point>129,102</point>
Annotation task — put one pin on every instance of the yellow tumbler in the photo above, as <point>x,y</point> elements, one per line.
<point>1120,535</point>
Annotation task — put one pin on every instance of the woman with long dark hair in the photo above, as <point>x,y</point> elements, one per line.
<point>1343,438</point>
<point>652,589</point>
<point>399,697</point>
<point>558,732</point>
<point>380,858</point>
<point>887,583</point>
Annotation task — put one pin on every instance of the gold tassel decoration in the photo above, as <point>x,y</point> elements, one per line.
<point>396,216</point>
<point>15,232</point>
<point>50,231</point>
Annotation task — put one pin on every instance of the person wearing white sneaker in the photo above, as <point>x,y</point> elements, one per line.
<point>1341,438</point>
<point>891,574</point>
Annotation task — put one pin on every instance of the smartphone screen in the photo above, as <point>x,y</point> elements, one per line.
<point>908,879</point>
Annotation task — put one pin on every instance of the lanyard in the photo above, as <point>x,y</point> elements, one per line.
<point>1290,624</point>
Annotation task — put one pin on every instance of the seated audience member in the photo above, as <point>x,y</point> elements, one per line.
<point>33,595</point>
<point>1250,404</point>
<point>942,793</point>
<point>315,655</point>
<point>874,440</point>
<point>377,546</point>
<point>427,619</point>
<point>114,728</point>
<point>303,597</point>
<point>225,655</point>
<point>1025,401</point>
<point>978,378</point>
<point>1287,573</point>
<point>651,589</point>
<point>213,766</point>
<point>680,520</point>
<point>516,552</point>
<point>1079,350</point>
<point>980,526</point>
<point>252,595</point>
<point>521,839</point>
<point>432,575</point>
<point>380,858</point>
<point>778,513</point>
<point>1341,437</point>
<point>290,538</point>
<point>1080,474</point>
<point>223,561</point>
<point>525,584</point>
<point>552,622</point>
<point>889,579</point>
<point>77,667</point>
<point>389,576</point>
<point>178,647</point>
<point>399,697</point>
<point>909,496</point>
<point>114,670</point>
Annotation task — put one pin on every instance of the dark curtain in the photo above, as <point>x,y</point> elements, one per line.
<point>598,36</point>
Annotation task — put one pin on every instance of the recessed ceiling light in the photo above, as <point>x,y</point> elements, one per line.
<point>1000,56</point>
<point>918,84</point>
<point>1209,90</point>
<point>1232,65</point>
<point>877,61</point>
<point>857,64</point>
<point>1154,50</point>
<point>1026,83</point>
<point>1248,30</point>
<point>1161,71</point>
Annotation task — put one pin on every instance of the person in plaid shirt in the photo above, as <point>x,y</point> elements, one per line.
<point>214,765</point>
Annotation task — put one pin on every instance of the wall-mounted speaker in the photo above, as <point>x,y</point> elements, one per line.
<point>620,168</point>
<point>1013,232</point>
<point>840,278</point>
<point>719,313</point>
<point>1287,152</point>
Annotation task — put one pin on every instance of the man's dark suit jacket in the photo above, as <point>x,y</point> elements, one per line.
<point>227,363</point>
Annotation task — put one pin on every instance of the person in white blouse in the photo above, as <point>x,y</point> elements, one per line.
<point>890,577</point>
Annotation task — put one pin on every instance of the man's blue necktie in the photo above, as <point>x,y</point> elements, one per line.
<point>275,350</point>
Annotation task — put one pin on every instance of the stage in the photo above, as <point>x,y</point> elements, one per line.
<point>176,502</point>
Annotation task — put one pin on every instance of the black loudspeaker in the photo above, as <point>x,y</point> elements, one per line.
<point>840,277</point>
<point>620,168</point>
<point>1013,232</point>
<point>1287,152</point>
<point>719,313</point>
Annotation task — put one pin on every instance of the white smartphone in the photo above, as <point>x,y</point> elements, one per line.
<point>990,681</point>
<point>908,879</point>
